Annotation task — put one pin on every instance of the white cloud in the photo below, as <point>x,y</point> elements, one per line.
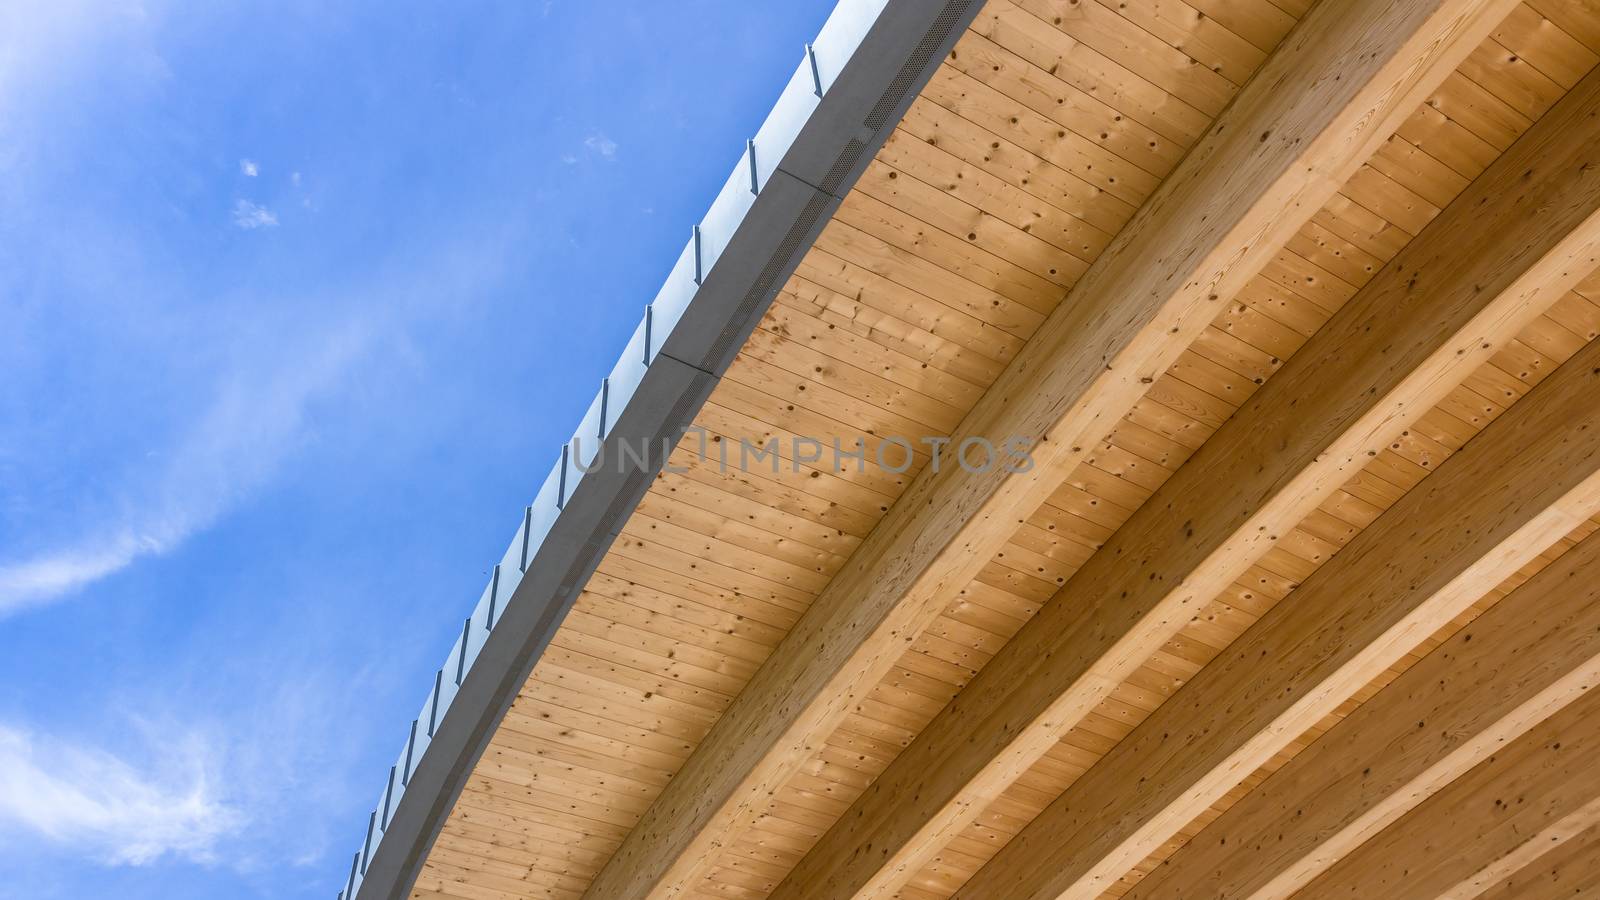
<point>599,143</point>
<point>255,420</point>
<point>106,807</point>
<point>215,770</point>
<point>46,45</point>
<point>294,178</point>
<point>69,568</point>
<point>249,168</point>
<point>249,215</point>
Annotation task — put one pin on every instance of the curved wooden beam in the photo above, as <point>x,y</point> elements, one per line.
<point>1531,797</point>
<point>1516,240</point>
<point>1527,480</point>
<point>1531,654</point>
<point>1339,85</point>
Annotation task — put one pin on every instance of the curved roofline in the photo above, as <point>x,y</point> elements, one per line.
<point>869,61</point>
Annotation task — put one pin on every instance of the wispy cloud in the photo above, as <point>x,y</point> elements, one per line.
<point>602,145</point>
<point>97,802</point>
<point>248,168</point>
<point>249,215</point>
<point>43,43</point>
<point>215,770</point>
<point>42,577</point>
<point>254,421</point>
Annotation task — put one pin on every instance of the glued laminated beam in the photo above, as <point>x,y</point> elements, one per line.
<point>867,65</point>
<point>1522,235</point>
<point>1526,801</point>
<point>1530,478</point>
<point>1533,653</point>
<point>1335,90</point>
<point>1565,872</point>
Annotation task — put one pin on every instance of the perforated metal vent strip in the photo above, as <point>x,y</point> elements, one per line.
<point>610,521</point>
<point>955,13</point>
<point>627,497</point>
<point>843,165</point>
<point>782,262</point>
<point>600,539</point>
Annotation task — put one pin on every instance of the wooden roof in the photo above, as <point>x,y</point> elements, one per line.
<point>1250,272</point>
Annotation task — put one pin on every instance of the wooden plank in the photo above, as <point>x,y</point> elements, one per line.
<point>1529,656</point>
<point>1527,800</point>
<point>1568,871</point>
<point>977,102</point>
<point>1510,247</point>
<point>1064,104</point>
<point>1300,128</point>
<point>1263,24</point>
<point>1545,45</point>
<point>1203,40</point>
<point>1090,71</point>
<point>1580,19</point>
<point>1163,65</point>
<point>1529,479</point>
<point>1017,166</point>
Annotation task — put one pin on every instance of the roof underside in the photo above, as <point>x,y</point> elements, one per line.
<point>1143,649</point>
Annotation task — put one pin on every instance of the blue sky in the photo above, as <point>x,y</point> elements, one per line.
<point>296,301</point>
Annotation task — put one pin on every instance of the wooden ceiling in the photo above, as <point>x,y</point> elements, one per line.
<point>1251,272</point>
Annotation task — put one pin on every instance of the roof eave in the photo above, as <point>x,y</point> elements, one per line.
<point>852,85</point>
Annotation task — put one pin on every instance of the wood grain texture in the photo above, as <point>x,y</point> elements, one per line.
<point>1006,180</point>
<point>1504,252</point>
<point>1527,480</point>
<point>1570,871</point>
<point>1529,656</point>
<point>1318,109</point>
<point>1530,798</point>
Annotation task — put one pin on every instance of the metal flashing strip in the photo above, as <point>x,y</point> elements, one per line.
<point>851,86</point>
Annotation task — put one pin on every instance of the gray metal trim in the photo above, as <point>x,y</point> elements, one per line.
<point>782,223</point>
<point>867,66</point>
<point>562,564</point>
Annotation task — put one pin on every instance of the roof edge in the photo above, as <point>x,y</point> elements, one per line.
<point>852,85</point>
